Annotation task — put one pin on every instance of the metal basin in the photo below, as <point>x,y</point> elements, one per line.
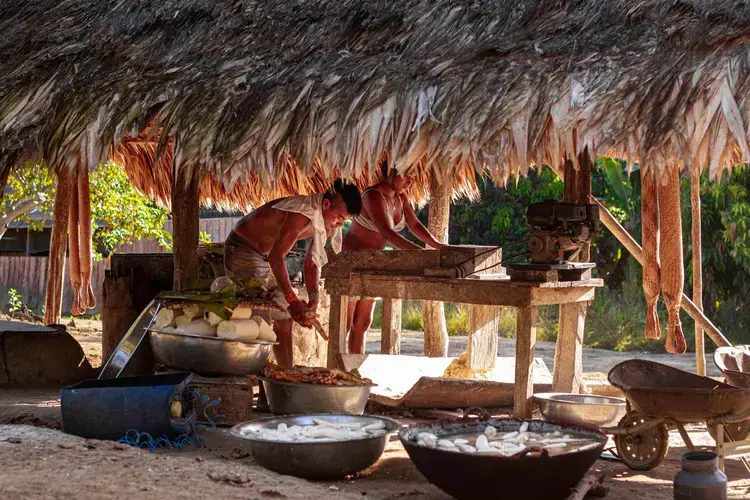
<point>210,355</point>
<point>581,409</point>
<point>325,460</point>
<point>292,398</point>
<point>476,476</point>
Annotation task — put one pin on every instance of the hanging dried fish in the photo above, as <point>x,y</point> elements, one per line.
<point>88,300</point>
<point>670,253</point>
<point>74,262</point>
<point>650,238</point>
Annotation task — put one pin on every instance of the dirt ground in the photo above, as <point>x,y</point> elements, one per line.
<point>40,462</point>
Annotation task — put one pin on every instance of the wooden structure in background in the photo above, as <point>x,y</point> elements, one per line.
<point>395,275</point>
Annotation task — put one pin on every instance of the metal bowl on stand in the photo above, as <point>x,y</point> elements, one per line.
<point>581,409</point>
<point>299,398</point>
<point>315,460</point>
<point>210,355</point>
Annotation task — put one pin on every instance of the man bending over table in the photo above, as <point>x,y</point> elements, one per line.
<point>258,244</point>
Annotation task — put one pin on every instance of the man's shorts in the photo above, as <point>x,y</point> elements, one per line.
<point>243,261</point>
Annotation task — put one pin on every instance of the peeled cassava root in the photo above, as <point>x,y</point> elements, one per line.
<point>79,243</point>
<point>662,247</point>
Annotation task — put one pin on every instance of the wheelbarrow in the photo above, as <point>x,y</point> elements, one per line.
<point>660,397</point>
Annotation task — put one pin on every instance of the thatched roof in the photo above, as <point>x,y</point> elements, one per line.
<point>243,85</point>
<point>149,169</point>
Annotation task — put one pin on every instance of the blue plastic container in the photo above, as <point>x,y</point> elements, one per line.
<point>109,408</point>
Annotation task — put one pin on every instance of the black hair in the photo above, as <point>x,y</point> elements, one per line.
<point>350,194</point>
<point>384,170</point>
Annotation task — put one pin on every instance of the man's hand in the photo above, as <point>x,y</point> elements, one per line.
<point>298,309</point>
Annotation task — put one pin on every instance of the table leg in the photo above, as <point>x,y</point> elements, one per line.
<point>390,340</point>
<point>568,370</point>
<point>337,329</point>
<point>525,343</point>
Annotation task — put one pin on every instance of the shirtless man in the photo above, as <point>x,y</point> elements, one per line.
<point>260,241</point>
<point>385,213</point>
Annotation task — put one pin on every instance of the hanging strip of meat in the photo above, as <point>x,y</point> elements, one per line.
<point>84,210</point>
<point>670,253</point>
<point>650,238</point>
<point>74,261</point>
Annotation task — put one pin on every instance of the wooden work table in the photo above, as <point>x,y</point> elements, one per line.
<point>487,294</point>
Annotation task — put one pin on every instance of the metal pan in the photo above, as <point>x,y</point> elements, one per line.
<point>520,477</point>
<point>658,390</point>
<point>734,363</point>
<point>210,355</point>
<point>316,460</point>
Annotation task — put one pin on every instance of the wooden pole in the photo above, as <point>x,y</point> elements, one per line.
<point>636,251</point>
<point>433,313</point>
<point>185,229</point>
<point>58,245</point>
<point>695,204</point>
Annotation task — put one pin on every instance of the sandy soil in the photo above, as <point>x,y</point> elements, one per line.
<point>38,461</point>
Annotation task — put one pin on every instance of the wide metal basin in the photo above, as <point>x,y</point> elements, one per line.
<point>521,477</point>
<point>581,409</point>
<point>324,460</point>
<point>290,398</point>
<point>210,355</point>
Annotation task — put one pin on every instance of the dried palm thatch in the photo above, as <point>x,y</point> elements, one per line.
<point>496,85</point>
<point>150,171</point>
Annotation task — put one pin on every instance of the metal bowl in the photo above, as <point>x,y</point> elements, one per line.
<point>324,460</point>
<point>290,398</point>
<point>210,355</point>
<point>521,477</point>
<point>581,409</point>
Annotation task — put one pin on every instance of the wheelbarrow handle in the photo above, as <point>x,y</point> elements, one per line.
<point>729,419</point>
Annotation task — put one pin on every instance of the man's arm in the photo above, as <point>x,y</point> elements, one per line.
<point>294,225</point>
<point>417,228</point>
<point>312,278</point>
<point>382,220</point>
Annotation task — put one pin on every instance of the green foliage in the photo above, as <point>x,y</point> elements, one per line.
<point>31,187</point>
<point>204,238</point>
<point>15,301</point>
<point>499,217</point>
<point>128,215</point>
<point>411,316</point>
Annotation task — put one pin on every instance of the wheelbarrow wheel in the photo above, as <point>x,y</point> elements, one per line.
<point>732,432</point>
<point>644,450</point>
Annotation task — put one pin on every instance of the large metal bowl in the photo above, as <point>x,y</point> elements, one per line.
<point>581,409</point>
<point>324,460</point>
<point>210,355</point>
<point>521,477</point>
<point>290,398</point>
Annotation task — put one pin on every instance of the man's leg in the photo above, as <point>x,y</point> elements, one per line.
<point>360,324</point>
<point>283,351</point>
<point>350,308</point>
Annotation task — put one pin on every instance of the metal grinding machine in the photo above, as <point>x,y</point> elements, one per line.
<point>559,232</point>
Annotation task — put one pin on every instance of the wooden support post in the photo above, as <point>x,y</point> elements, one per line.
<point>185,226</point>
<point>483,325</point>
<point>433,314</point>
<point>695,203</point>
<point>337,329</point>
<point>390,340</point>
<point>636,251</point>
<point>525,343</point>
<point>58,245</point>
<point>568,370</point>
